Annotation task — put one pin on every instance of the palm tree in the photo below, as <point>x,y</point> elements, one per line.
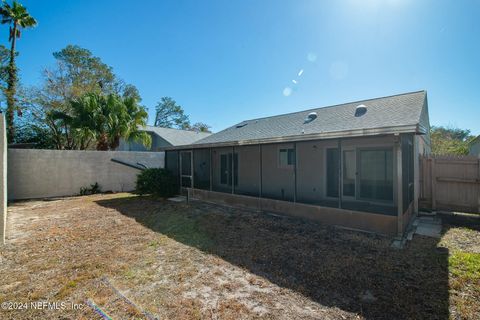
<point>105,119</point>
<point>17,17</point>
<point>133,117</point>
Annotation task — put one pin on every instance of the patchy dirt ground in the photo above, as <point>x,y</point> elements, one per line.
<point>141,258</point>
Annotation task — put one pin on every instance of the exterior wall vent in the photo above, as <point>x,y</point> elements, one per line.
<point>310,117</point>
<point>360,110</point>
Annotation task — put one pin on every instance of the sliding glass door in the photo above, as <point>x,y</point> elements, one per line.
<point>376,175</point>
<point>367,174</point>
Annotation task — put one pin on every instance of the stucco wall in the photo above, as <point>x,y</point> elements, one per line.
<point>277,182</point>
<point>248,170</point>
<point>310,171</point>
<point>34,173</point>
<point>3,179</point>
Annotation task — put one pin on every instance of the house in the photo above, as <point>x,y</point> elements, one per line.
<point>474,147</point>
<point>163,137</point>
<point>353,165</point>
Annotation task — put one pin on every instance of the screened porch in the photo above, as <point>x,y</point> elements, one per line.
<point>360,174</point>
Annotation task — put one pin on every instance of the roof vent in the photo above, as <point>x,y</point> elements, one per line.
<point>360,110</point>
<point>310,117</point>
<point>241,125</point>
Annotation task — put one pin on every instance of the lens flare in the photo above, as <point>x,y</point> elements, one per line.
<point>287,91</point>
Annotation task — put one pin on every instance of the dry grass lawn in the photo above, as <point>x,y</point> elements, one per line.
<point>144,258</point>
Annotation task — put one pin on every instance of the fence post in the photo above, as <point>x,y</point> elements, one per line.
<point>434,184</point>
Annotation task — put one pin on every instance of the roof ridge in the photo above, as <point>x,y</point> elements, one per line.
<point>331,106</point>
<point>175,129</point>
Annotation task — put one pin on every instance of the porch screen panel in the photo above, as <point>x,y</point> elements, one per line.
<point>246,171</point>
<point>222,169</point>
<point>407,170</point>
<point>186,169</point>
<point>332,173</point>
<point>278,171</point>
<point>171,164</point>
<point>376,175</point>
<point>349,174</point>
<point>186,163</point>
<point>201,169</point>
<point>311,173</point>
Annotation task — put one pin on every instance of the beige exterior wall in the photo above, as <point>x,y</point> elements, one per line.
<point>35,173</point>
<point>310,171</point>
<point>248,170</point>
<point>277,182</point>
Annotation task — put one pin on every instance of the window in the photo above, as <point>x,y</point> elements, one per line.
<point>286,158</point>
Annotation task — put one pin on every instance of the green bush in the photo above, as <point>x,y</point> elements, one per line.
<point>157,181</point>
<point>94,188</point>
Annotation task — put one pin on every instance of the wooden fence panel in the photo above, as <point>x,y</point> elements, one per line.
<point>450,183</point>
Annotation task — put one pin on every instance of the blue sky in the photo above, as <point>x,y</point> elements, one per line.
<point>227,61</point>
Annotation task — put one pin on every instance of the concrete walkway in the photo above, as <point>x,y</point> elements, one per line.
<point>428,226</point>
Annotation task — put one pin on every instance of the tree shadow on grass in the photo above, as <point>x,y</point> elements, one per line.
<point>331,266</point>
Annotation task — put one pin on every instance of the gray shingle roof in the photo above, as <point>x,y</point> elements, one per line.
<point>177,137</point>
<point>393,111</point>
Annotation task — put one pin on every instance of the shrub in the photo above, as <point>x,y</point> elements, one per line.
<point>94,188</point>
<point>157,181</point>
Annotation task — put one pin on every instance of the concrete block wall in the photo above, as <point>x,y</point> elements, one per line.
<point>35,173</point>
<point>3,179</point>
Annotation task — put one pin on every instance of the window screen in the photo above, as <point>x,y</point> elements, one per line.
<point>407,170</point>
<point>332,173</point>
<point>376,174</point>
<point>349,174</point>
<point>201,168</point>
<point>226,168</point>
<point>286,157</point>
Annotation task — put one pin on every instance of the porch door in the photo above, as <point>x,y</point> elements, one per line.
<point>186,171</point>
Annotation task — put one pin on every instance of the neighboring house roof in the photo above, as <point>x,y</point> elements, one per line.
<point>176,137</point>
<point>474,141</point>
<point>401,113</point>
